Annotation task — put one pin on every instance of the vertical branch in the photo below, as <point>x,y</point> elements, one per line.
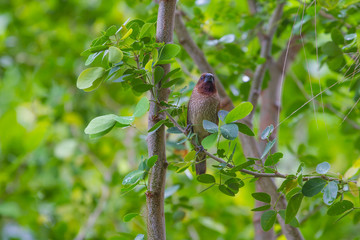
<point>271,97</point>
<point>156,141</point>
<point>266,44</point>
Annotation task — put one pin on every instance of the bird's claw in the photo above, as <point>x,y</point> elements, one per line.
<point>200,148</point>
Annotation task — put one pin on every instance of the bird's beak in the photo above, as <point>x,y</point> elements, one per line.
<point>209,78</point>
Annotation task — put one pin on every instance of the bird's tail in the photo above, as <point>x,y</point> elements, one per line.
<point>200,166</point>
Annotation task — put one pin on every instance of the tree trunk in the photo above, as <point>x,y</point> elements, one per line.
<point>156,141</point>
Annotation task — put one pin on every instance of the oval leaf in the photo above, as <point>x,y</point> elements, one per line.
<point>222,114</point>
<point>142,107</point>
<point>133,177</point>
<point>151,161</point>
<point>169,51</point>
<point>262,197</point>
<point>267,132</point>
<point>330,192</point>
<point>268,147</point>
<point>293,207</point>
<point>340,207</point>
<point>158,74</point>
<point>209,141</point>
<point>245,129</point>
<point>226,190</point>
<point>115,55</point>
<point>229,131</point>
<point>323,168</point>
<point>313,187</point>
<point>129,216</point>
<point>101,124</point>
<point>206,178</point>
<point>239,112</point>
<point>268,219</point>
<point>210,126</point>
<point>87,79</point>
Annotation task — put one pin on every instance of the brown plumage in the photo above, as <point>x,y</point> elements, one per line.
<point>203,105</point>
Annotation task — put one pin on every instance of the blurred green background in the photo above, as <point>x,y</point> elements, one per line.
<point>52,176</point>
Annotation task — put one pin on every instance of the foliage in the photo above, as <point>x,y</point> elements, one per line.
<point>51,169</point>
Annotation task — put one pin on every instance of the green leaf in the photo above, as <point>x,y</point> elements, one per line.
<point>262,197</point>
<point>133,177</point>
<point>323,168</point>
<point>170,83</point>
<point>267,132</point>
<point>183,167</point>
<point>229,131</point>
<point>129,216</point>
<point>92,58</point>
<point>190,156</point>
<point>111,31</point>
<point>115,55</point>
<point>142,87</point>
<point>293,207</point>
<point>174,130</point>
<point>268,147</point>
<point>243,165</point>
<point>158,74</point>
<point>273,159</point>
<point>127,34</point>
<point>206,178</point>
<point>209,141</point>
<point>224,189</point>
<point>147,30</point>
<point>243,128</point>
<point>101,125</point>
<point>151,161</point>
<point>156,126</point>
<point>340,207</point>
<point>142,107</point>
<point>98,48</point>
<point>313,187</point>
<point>210,126</point>
<point>168,51</point>
<point>171,73</point>
<point>331,49</point>
<point>330,192</point>
<point>90,78</point>
<point>262,208</point>
<point>294,222</point>
<point>234,184</point>
<point>337,36</point>
<point>239,112</point>
<point>222,115</point>
<point>268,219</point>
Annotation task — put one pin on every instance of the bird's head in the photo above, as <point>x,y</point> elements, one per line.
<point>206,84</point>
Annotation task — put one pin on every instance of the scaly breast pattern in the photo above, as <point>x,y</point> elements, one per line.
<point>202,108</point>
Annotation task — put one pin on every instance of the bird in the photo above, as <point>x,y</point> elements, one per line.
<point>204,104</point>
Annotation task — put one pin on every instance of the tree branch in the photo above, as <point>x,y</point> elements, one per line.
<point>255,174</point>
<point>249,144</point>
<point>266,44</point>
<point>156,141</point>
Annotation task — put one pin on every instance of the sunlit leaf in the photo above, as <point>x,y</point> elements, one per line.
<point>90,78</point>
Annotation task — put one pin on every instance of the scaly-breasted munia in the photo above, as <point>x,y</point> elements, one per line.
<point>204,104</point>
